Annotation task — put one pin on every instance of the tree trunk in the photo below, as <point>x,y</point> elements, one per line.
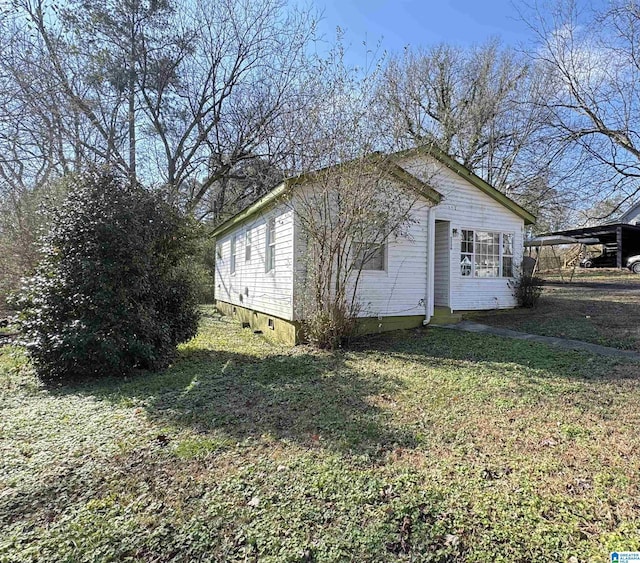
<point>132,101</point>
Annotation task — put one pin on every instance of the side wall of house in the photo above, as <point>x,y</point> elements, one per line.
<point>401,289</point>
<point>398,291</point>
<point>251,286</point>
<point>632,216</point>
<point>466,207</point>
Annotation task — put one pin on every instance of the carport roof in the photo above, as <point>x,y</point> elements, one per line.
<point>604,233</point>
<point>555,240</point>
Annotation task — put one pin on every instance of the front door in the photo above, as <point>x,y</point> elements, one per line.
<point>442,264</point>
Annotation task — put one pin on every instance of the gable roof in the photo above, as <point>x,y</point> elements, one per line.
<point>386,165</point>
<point>395,171</point>
<point>472,178</point>
<point>630,214</point>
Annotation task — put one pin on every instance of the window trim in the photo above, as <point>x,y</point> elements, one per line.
<point>233,251</point>
<point>385,256</point>
<point>247,245</point>
<point>503,256</point>
<point>270,243</point>
<point>472,255</point>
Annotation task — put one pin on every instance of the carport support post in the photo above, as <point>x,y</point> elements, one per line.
<point>619,241</point>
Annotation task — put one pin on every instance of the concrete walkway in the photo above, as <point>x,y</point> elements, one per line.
<point>613,286</point>
<point>565,343</point>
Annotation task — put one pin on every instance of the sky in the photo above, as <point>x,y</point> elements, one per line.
<point>398,23</point>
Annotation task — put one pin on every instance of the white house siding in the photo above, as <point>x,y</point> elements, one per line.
<point>401,289</point>
<point>632,216</point>
<point>251,287</point>
<point>466,207</point>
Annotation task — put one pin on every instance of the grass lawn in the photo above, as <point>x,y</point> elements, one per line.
<point>599,306</point>
<point>426,445</point>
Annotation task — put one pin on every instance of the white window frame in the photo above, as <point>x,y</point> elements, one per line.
<point>270,242</point>
<point>470,255</point>
<point>233,252</point>
<point>504,255</point>
<point>247,246</point>
<point>360,265</point>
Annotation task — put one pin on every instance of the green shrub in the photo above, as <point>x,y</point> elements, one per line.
<point>112,291</point>
<point>527,290</point>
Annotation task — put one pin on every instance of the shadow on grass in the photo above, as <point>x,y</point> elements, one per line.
<point>517,362</point>
<point>312,399</point>
<point>331,401</point>
<point>495,374</point>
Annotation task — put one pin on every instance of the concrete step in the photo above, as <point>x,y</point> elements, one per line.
<point>444,316</point>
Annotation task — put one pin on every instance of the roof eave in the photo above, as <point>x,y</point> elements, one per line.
<point>417,185</point>
<point>393,169</point>
<point>399,173</point>
<point>474,179</point>
<point>266,200</point>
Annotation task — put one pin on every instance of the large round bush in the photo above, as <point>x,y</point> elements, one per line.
<point>112,291</point>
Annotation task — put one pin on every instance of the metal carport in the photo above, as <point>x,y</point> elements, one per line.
<point>625,238</point>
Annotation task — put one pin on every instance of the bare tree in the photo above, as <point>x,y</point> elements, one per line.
<point>244,184</point>
<point>185,96</point>
<point>347,214</point>
<point>34,146</point>
<point>237,77</point>
<point>353,203</point>
<point>178,94</point>
<point>475,105</point>
<point>591,58</point>
<point>91,125</point>
<point>34,151</point>
<point>482,106</point>
<point>111,41</point>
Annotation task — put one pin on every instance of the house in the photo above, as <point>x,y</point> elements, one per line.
<point>631,216</point>
<point>464,246</point>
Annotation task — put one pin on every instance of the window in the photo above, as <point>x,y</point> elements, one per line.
<point>370,257</point>
<point>466,253</point>
<point>486,254</point>
<point>271,245</point>
<point>507,255</point>
<point>233,255</point>
<point>247,246</point>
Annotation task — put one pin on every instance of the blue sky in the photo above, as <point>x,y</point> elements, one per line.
<point>420,22</point>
